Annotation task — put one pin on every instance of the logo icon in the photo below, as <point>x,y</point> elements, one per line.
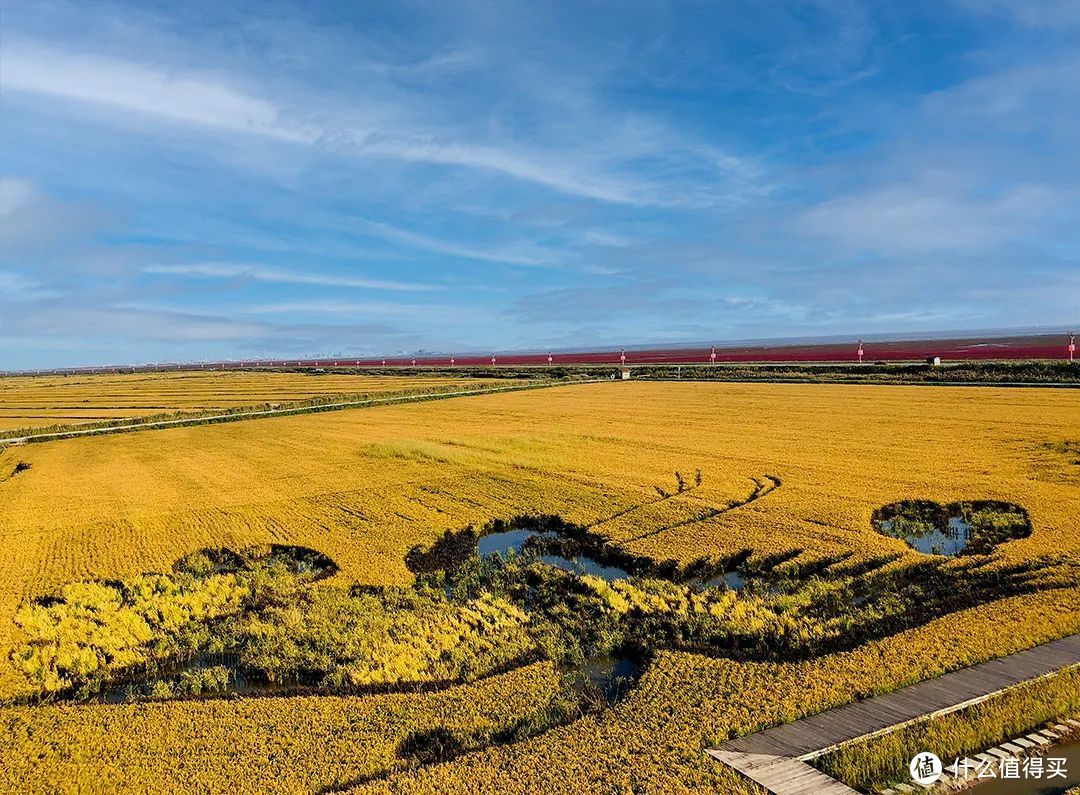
<point>925,768</point>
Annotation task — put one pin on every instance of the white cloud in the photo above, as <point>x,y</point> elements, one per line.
<point>263,273</point>
<point>31,221</point>
<point>16,287</point>
<point>1036,13</point>
<point>519,255</point>
<point>213,102</point>
<point>133,322</point>
<point>608,239</point>
<point>814,64</point>
<point>1039,95</point>
<point>550,172</point>
<point>201,100</point>
<point>382,308</point>
<point>15,194</point>
<point>921,218</point>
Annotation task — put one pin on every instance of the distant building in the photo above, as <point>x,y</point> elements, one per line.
<point>626,374</point>
<point>935,361</point>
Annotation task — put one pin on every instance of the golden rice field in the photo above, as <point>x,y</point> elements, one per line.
<point>787,472</point>
<point>44,401</point>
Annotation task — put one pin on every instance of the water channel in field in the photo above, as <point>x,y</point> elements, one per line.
<point>949,540</point>
<point>959,528</point>
<point>520,542</point>
<point>1043,785</point>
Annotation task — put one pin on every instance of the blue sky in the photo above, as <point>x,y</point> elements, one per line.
<point>200,180</point>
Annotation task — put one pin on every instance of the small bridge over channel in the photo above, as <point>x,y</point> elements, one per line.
<point>777,758</point>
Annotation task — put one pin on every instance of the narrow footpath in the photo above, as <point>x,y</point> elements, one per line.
<point>776,758</point>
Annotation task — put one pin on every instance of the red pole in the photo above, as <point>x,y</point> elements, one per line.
<point>493,360</point>
<point>712,355</point>
<point>860,352</point>
<point>1072,346</point>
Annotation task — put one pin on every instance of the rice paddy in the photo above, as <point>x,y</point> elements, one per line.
<point>60,400</point>
<point>780,483</point>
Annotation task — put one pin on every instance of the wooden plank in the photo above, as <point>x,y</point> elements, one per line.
<point>782,775</point>
<point>776,757</point>
<point>947,693</point>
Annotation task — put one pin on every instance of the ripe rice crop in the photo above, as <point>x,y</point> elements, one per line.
<point>50,401</point>
<point>790,478</point>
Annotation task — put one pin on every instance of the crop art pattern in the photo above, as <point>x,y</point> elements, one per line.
<point>567,590</point>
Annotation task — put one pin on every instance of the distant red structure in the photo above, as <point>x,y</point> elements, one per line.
<point>1017,347</point>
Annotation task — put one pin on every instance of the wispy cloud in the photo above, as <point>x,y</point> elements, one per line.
<point>33,222</point>
<point>815,64</point>
<point>519,255</point>
<point>1037,13</point>
<point>264,273</point>
<point>213,101</point>
<point>360,308</point>
<point>15,194</point>
<point>118,321</point>
<point>16,287</point>
<point>549,171</point>
<point>171,95</point>
<point>184,327</point>
<point>1033,96</point>
<point>921,218</point>
<point>473,175</point>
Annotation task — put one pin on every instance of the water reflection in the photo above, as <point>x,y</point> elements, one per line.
<point>731,580</point>
<point>521,541</point>
<point>177,678</point>
<point>928,539</point>
<point>611,674</point>
<point>526,542</point>
<point>506,541</point>
<point>959,528</point>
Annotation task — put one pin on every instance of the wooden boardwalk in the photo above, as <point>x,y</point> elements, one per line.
<point>782,773</point>
<point>770,756</point>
